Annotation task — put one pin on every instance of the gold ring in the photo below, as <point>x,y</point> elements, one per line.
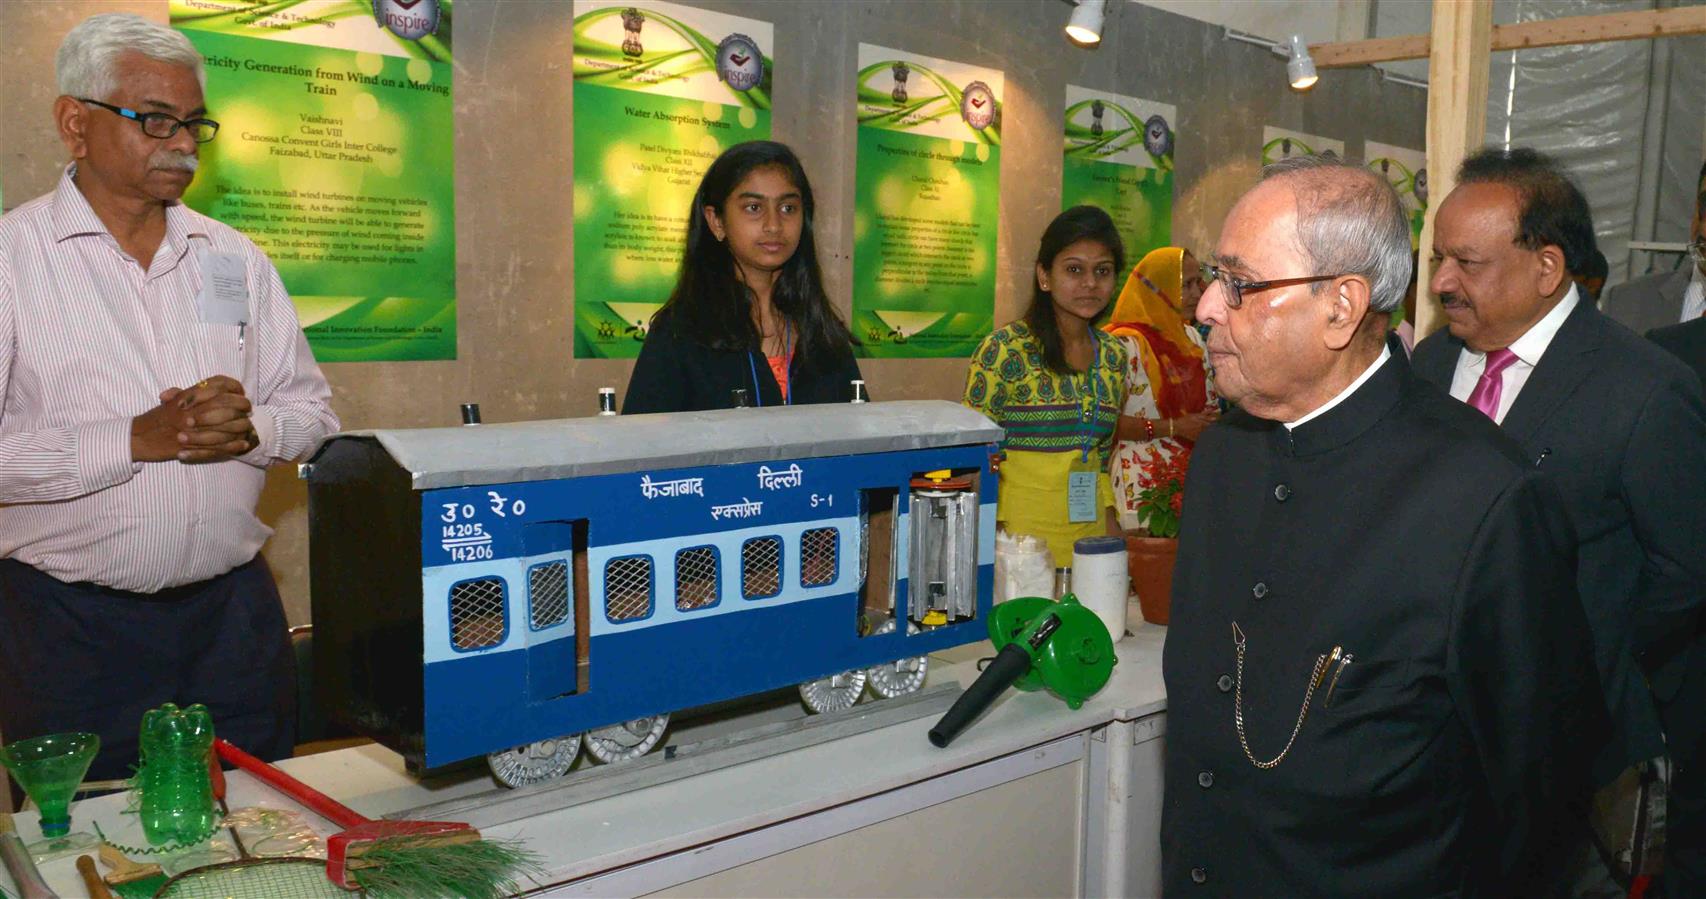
<point>201,383</point>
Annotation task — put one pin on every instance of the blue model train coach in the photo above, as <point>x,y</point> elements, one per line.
<point>519,590</point>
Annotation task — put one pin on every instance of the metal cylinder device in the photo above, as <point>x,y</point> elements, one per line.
<point>942,574</point>
<point>606,401</point>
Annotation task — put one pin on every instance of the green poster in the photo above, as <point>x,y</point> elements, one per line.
<point>1406,170</point>
<point>926,198</point>
<point>334,156</point>
<point>660,91</point>
<point>1119,156</point>
<point>1279,143</point>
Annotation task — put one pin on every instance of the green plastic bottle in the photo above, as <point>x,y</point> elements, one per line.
<point>177,794</point>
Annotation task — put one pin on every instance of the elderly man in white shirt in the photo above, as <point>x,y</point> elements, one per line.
<point>151,368</point>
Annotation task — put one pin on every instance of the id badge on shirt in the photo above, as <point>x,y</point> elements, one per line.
<point>224,297</point>
<point>1081,490</point>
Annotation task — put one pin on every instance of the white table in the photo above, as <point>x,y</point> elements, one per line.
<point>1033,799</point>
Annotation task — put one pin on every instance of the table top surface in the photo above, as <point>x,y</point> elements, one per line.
<point>652,821</point>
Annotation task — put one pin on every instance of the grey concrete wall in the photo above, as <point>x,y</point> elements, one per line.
<point>513,152</point>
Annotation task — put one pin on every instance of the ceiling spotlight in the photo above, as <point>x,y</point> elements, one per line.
<point>1085,26</point>
<point>1299,66</point>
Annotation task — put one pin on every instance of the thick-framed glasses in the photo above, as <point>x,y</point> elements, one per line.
<point>160,125</point>
<point>1236,289</point>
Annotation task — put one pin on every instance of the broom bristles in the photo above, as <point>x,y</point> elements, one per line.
<point>425,868</point>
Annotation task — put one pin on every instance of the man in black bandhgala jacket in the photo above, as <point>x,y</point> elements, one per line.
<point>1380,679</point>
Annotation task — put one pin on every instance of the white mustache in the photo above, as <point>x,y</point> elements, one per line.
<point>172,159</point>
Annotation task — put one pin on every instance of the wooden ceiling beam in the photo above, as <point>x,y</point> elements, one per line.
<point>1632,26</point>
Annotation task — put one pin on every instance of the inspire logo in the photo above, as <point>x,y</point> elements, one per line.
<point>410,20</point>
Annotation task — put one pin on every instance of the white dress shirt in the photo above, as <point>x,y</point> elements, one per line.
<point>1694,295</point>
<point>1528,349</point>
<point>1385,354</point>
<point>88,340</point>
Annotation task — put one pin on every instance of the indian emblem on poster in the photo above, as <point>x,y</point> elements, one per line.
<point>632,21</point>
<point>740,65</point>
<point>410,20</point>
<point>977,105</point>
<point>899,70</point>
<point>1097,107</point>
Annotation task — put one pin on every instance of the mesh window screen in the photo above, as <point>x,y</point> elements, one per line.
<point>761,567</point>
<point>818,557</point>
<point>695,578</point>
<point>548,594</point>
<point>628,588</point>
<point>477,613</point>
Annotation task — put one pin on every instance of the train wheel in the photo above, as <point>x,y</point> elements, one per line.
<point>834,693</point>
<point>900,676</point>
<point>534,762</point>
<point>626,741</point>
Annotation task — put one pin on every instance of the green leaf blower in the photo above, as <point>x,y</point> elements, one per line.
<point>1041,644</point>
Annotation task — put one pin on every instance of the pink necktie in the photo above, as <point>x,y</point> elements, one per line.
<point>1492,383</point>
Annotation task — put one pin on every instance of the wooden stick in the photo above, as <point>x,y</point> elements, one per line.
<point>92,878</point>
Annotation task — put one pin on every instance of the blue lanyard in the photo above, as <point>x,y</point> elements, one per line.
<point>1089,433</point>
<point>788,390</point>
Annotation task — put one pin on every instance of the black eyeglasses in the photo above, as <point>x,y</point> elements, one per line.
<point>160,125</point>
<point>1235,289</point>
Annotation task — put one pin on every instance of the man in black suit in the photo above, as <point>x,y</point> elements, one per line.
<point>1686,813</point>
<point>1686,341</point>
<point>1619,426</point>
<point>1667,298</point>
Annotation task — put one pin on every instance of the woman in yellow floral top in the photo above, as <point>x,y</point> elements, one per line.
<point>1057,384</point>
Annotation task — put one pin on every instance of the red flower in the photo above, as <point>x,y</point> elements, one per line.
<point>1160,503</point>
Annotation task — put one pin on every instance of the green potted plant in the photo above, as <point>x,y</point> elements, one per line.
<point>1151,550</point>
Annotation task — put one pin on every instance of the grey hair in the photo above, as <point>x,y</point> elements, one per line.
<point>1350,222</point>
<point>87,62</point>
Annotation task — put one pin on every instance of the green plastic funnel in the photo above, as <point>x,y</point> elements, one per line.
<point>49,769</point>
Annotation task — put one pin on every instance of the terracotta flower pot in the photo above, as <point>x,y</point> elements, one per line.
<point>1150,560</point>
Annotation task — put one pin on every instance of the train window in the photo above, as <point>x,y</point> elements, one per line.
<point>548,594</point>
<point>477,614</point>
<point>761,567</point>
<point>696,578</point>
<point>818,548</point>
<point>628,588</point>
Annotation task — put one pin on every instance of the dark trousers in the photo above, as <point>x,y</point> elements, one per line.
<point>80,657</point>
<point>1685,836</point>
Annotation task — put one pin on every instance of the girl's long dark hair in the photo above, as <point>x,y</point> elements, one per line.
<point>710,305</point>
<point>1073,225</point>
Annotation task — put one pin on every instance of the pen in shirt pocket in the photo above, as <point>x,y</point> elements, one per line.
<point>1344,662</point>
<point>1542,457</point>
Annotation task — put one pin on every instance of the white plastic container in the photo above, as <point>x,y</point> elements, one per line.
<point>1101,580</point>
<point>1023,567</point>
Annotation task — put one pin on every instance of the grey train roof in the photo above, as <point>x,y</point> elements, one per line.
<point>579,447</point>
